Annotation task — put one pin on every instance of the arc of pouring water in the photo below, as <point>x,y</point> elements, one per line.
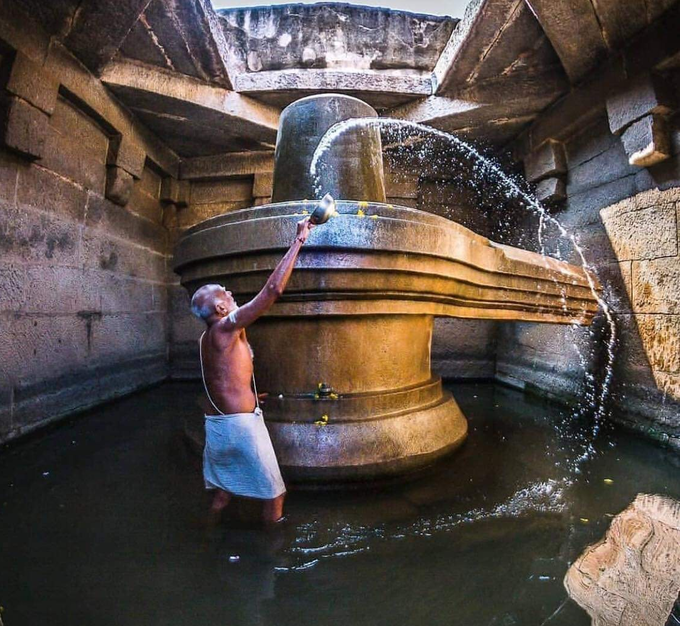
<point>530,202</point>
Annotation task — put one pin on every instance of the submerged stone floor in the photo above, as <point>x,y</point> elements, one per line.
<point>102,522</point>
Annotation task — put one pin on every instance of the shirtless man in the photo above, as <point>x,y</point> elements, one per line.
<point>239,458</point>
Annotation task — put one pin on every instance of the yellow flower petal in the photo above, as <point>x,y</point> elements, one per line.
<point>608,481</point>
<point>360,213</point>
<point>374,217</point>
<point>363,204</point>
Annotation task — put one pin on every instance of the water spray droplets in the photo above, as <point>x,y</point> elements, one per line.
<point>409,140</point>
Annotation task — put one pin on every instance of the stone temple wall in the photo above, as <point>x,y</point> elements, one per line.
<point>627,226</point>
<point>83,248</point>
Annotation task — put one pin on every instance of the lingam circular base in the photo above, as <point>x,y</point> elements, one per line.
<point>345,353</point>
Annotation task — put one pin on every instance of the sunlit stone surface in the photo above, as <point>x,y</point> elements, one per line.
<point>359,310</point>
<point>631,577</point>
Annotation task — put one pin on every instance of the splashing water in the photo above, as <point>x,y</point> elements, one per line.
<point>311,545</point>
<point>597,402</point>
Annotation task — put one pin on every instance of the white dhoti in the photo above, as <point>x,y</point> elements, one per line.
<point>239,457</point>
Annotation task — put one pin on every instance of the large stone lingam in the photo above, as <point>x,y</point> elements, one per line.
<point>358,312</point>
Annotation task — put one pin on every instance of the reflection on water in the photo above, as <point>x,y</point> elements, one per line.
<point>103,522</point>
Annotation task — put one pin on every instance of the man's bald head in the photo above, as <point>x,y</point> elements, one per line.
<point>211,299</point>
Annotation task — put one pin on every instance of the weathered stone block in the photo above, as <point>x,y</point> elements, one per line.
<point>660,336</point>
<point>607,167</point>
<point>669,385</point>
<point>644,95</point>
<point>121,334</point>
<point>75,147</point>
<point>644,234</point>
<point>263,184</point>
<point>225,191</point>
<point>551,190</point>
<point>100,251</point>
<point>124,152</point>
<point>132,374</point>
<point>616,279</point>
<point>150,182</point>
<point>37,346</point>
<point>464,348</point>
<point>12,293</point>
<point>594,243</point>
<point>60,290</point>
<point>35,236</point>
<point>647,141</point>
<point>631,576</point>
<point>9,168</point>
<point>110,218</point>
<point>198,212</point>
<point>160,298</point>
<point>589,142</point>
<point>30,82</point>
<point>175,191</point>
<point>656,285</point>
<point>547,161</point>
<point>122,294</point>
<point>519,366</point>
<point>119,185</point>
<point>42,189</point>
<point>145,200</point>
<point>403,187</point>
<point>587,203</point>
<point>23,127</point>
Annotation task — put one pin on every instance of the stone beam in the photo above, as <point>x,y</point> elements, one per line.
<point>153,89</point>
<point>649,50</point>
<point>479,105</point>
<point>645,95</point>
<point>574,31</point>
<point>639,113</point>
<point>230,165</point>
<point>320,80</point>
<point>99,29</point>
<point>479,30</point>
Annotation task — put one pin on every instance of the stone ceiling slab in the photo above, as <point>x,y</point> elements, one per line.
<point>183,36</point>
<point>479,113</point>
<point>375,86</point>
<point>99,29</point>
<point>333,36</point>
<point>194,117</point>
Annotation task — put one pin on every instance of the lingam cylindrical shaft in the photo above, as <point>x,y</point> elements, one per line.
<point>351,167</point>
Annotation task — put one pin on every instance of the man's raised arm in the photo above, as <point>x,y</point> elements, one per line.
<point>274,286</point>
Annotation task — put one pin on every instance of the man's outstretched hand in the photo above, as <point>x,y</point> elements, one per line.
<point>303,228</point>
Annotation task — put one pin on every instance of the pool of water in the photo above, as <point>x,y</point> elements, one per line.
<point>103,521</point>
